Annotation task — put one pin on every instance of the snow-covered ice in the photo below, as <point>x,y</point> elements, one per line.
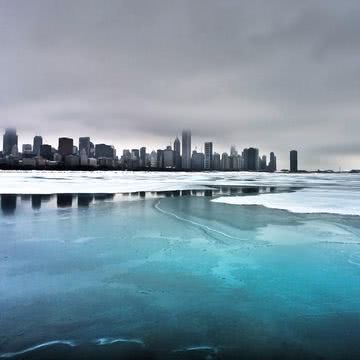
<point>311,200</point>
<point>314,193</point>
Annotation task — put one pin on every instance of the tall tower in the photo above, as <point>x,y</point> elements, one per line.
<point>272,163</point>
<point>186,149</point>
<point>293,161</point>
<point>10,139</point>
<point>177,145</point>
<point>253,159</point>
<point>84,143</point>
<point>208,156</point>
<point>143,156</point>
<point>38,141</point>
<point>177,156</point>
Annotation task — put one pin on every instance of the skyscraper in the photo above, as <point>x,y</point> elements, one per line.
<point>65,146</point>
<point>197,161</point>
<point>160,159</point>
<point>225,161</point>
<point>135,158</point>
<point>245,161</point>
<point>143,157</point>
<point>46,152</point>
<point>186,149</point>
<point>263,163</point>
<point>10,139</point>
<point>177,156</point>
<point>168,155</point>
<point>293,161</point>
<point>177,145</point>
<point>104,151</point>
<point>253,159</point>
<point>216,161</point>
<point>37,145</point>
<point>208,156</point>
<point>272,162</point>
<point>84,143</point>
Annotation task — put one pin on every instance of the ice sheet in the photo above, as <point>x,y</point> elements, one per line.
<point>50,182</point>
<point>311,200</point>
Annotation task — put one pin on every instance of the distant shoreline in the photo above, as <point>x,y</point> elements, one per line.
<point>92,169</point>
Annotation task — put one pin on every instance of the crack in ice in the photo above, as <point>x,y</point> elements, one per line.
<point>157,207</point>
<point>69,343</point>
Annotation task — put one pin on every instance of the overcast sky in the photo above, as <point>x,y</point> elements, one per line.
<point>273,74</point>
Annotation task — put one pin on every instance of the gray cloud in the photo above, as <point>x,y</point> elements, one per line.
<point>275,74</point>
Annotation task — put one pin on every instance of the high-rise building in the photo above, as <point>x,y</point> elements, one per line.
<point>126,159</point>
<point>177,145</point>
<point>104,151</point>
<point>168,155</point>
<point>135,158</point>
<point>216,161</point>
<point>197,161</point>
<point>38,140</point>
<point>46,151</point>
<point>253,159</point>
<point>186,150</point>
<point>208,156</point>
<point>293,161</point>
<point>177,156</point>
<point>272,163</point>
<point>244,156</point>
<point>10,139</point>
<point>143,157</point>
<point>153,159</point>
<point>65,146</point>
<point>225,161</point>
<point>84,143</point>
<point>160,159</point>
<point>92,150</point>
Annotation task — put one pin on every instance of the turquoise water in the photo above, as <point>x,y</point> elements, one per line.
<point>160,275</point>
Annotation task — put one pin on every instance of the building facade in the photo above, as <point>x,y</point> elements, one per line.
<point>10,139</point>
<point>65,146</point>
<point>208,163</point>
<point>186,150</point>
<point>38,141</point>
<point>293,161</point>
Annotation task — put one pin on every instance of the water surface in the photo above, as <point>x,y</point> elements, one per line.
<point>174,275</point>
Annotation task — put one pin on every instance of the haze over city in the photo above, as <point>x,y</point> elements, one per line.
<point>275,75</point>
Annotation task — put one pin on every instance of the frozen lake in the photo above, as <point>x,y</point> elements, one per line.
<point>179,266</point>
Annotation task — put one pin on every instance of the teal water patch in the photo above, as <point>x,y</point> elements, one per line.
<point>178,277</point>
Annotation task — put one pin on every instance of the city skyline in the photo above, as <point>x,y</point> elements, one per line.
<point>196,143</point>
<point>273,74</point>
<point>200,157</point>
<point>85,154</point>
